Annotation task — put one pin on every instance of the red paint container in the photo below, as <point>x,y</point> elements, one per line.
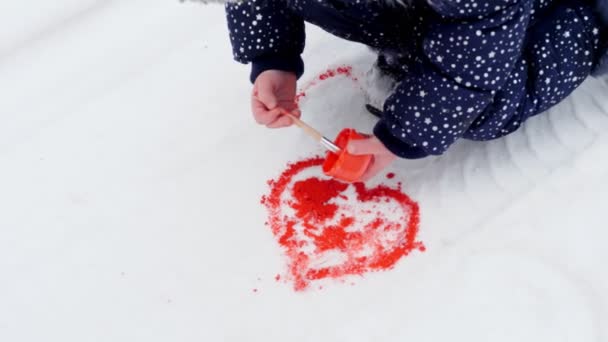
<point>343,165</point>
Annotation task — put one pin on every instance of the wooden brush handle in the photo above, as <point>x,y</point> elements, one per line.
<point>304,126</point>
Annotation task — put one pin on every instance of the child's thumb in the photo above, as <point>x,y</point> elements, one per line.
<point>267,97</point>
<point>364,146</point>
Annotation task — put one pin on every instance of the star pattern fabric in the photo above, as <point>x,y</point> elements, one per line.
<point>466,68</point>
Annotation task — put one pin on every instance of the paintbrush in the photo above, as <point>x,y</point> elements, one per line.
<point>313,133</point>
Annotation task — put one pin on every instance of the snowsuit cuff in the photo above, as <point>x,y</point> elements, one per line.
<point>293,64</point>
<point>398,147</point>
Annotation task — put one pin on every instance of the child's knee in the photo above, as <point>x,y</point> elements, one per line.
<point>569,36</point>
<point>561,51</point>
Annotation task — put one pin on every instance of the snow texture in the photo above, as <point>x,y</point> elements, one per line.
<point>131,173</point>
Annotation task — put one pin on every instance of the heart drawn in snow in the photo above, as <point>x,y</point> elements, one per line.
<point>330,229</point>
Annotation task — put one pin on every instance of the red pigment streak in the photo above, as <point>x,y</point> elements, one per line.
<point>312,217</point>
<point>390,175</point>
<point>346,71</point>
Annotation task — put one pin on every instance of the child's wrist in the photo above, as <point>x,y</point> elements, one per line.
<point>293,64</point>
<point>398,147</point>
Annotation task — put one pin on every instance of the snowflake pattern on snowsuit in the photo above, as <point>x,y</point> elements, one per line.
<point>465,68</point>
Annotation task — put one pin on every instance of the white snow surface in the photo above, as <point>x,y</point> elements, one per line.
<point>131,173</point>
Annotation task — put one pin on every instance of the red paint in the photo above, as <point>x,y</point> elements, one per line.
<point>311,197</point>
<point>345,71</point>
<point>390,175</point>
<point>273,200</point>
<point>327,234</point>
<point>277,277</point>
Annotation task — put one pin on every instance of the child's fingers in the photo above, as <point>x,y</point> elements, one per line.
<point>366,146</point>
<point>296,112</point>
<point>267,96</point>
<point>379,163</point>
<point>262,115</point>
<point>266,117</point>
<point>257,105</point>
<point>282,121</point>
<point>374,168</point>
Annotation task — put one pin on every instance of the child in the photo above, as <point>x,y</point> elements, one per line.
<point>464,68</point>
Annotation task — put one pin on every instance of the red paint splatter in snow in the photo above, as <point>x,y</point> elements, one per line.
<point>345,71</point>
<point>390,175</point>
<point>327,235</point>
<point>312,196</point>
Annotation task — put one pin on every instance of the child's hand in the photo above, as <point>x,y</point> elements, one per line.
<point>273,90</point>
<point>382,156</point>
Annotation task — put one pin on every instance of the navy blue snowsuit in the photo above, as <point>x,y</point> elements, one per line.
<point>465,68</point>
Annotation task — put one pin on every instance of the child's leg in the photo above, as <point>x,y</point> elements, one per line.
<point>559,54</point>
<point>368,22</point>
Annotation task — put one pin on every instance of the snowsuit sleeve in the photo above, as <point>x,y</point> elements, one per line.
<point>469,51</point>
<point>266,34</point>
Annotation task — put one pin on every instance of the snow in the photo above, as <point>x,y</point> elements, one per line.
<point>131,173</point>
